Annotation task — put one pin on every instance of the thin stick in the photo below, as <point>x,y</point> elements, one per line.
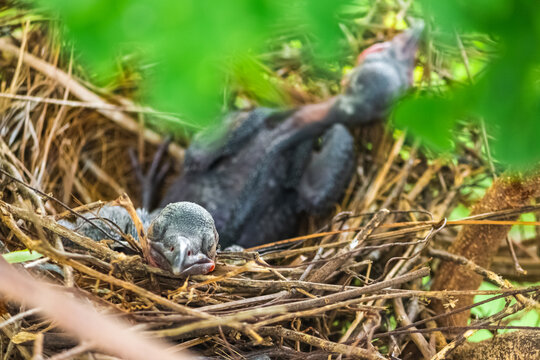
<point>330,346</point>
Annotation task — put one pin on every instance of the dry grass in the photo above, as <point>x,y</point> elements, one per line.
<point>356,290</point>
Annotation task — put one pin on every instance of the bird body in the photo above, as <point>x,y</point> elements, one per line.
<point>262,171</point>
<point>216,181</point>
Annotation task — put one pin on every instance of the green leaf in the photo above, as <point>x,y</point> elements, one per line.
<point>521,318</point>
<point>459,212</point>
<point>430,118</point>
<point>21,256</point>
<point>522,232</point>
<point>506,93</point>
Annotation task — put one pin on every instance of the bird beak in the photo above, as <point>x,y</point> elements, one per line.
<point>203,265</point>
<point>407,42</point>
<point>187,263</point>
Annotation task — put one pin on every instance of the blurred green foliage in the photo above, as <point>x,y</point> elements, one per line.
<point>506,94</point>
<point>187,42</point>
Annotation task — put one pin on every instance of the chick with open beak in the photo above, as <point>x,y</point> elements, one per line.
<point>384,72</point>
<point>183,239</point>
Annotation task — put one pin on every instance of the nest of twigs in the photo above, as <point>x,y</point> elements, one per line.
<point>356,285</point>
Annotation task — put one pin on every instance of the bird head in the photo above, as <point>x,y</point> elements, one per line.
<point>401,50</point>
<point>183,239</point>
<point>384,71</point>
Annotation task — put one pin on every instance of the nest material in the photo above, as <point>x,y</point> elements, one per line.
<point>354,286</point>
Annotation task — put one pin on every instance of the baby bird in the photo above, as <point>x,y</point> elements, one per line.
<point>262,170</point>
<point>182,236</point>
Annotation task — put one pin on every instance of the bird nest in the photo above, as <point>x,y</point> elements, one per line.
<point>354,285</point>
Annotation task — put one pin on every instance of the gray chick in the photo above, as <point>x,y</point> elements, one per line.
<point>182,236</point>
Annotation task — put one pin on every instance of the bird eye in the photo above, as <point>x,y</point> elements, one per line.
<point>189,253</point>
<point>172,248</point>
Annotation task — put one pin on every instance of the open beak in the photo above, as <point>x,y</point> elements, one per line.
<point>406,43</point>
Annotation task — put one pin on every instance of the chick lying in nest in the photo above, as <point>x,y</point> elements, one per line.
<point>182,237</point>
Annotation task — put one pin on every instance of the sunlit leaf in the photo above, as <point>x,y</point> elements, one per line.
<point>21,256</point>
<point>522,318</point>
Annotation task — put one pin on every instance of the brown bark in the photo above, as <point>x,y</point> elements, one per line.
<point>479,243</point>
